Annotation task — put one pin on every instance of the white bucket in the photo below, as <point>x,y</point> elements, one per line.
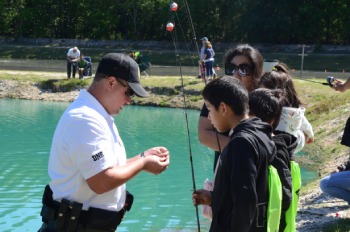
<point>269,64</point>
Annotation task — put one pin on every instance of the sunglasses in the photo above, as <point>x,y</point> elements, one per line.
<point>129,92</point>
<point>242,69</point>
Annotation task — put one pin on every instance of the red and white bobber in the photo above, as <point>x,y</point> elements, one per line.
<point>173,6</point>
<point>170,27</point>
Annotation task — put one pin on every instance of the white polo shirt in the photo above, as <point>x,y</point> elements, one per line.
<point>72,54</point>
<point>86,142</point>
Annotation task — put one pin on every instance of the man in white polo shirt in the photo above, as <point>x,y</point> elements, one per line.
<point>88,166</point>
<point>72,59</point>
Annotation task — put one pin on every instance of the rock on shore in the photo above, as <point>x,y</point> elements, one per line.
<point>30,91</point>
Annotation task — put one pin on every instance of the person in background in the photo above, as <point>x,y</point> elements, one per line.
<point>293,120</point>
<point>88,166</point>
<point>342,86</point>
<point>73,55</point>
<point>202,67</point>
<point>240,195</point>
<point>208,59</point>
<point>245,63</point>
<point>82,64</point>
<point>337,184</point>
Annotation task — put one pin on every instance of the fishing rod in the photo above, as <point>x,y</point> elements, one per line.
<point>329,81</point>
<point>170,28</point>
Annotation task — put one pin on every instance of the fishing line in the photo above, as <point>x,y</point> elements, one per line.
<point>192,27</point>
<point>194,37</point>
<point>199,56</point>
<point>183,35</point>
<point>174,38</point>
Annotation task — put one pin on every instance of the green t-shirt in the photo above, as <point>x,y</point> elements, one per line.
<point>82,63</point>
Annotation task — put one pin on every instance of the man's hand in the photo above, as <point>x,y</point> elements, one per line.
<point>340,85</point>
<point>157,160</point>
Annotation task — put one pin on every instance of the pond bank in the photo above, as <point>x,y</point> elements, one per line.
<point>316,210</point>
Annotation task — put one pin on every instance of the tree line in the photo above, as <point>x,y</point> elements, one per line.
<point>252,21</point>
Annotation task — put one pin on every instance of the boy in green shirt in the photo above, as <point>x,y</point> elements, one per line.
<point>82,64</point>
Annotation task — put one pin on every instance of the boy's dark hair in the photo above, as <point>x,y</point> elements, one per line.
<point>229,90</point>
<point>267,104</point>
<point>279,78</point>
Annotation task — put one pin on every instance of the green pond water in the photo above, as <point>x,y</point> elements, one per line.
<point>162,203</point>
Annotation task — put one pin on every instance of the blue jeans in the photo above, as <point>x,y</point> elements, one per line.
<point>337,185</point>
<point>209,68</point>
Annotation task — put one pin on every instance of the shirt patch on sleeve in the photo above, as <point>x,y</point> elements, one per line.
<point>97,156</point>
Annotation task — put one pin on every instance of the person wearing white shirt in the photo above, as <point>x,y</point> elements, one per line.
<point>88,166</point>
<point>73,55</point>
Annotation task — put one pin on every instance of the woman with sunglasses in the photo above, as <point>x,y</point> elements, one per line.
<point>245,63</point>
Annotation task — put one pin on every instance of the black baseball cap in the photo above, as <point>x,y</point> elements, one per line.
<point>122,67</point>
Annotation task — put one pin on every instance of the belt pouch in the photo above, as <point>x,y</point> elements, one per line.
<point>62,215</point>
<point>128,201</point>
<point>47,196</point>
<point>74,217</point>
<point>48,209</point>
<point>47,213</point>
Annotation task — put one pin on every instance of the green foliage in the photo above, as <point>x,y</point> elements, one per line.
<point>195,98</point>
<point>314,21</point>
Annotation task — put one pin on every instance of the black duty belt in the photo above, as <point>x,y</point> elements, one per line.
<point>70,215</point>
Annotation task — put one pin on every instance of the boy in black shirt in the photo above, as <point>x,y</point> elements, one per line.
<point>240,195</point>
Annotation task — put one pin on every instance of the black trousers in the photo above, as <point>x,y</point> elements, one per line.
<point>69,68</point>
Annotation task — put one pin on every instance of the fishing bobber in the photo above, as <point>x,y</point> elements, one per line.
<point>173,6</point>
<point>170,27</point>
